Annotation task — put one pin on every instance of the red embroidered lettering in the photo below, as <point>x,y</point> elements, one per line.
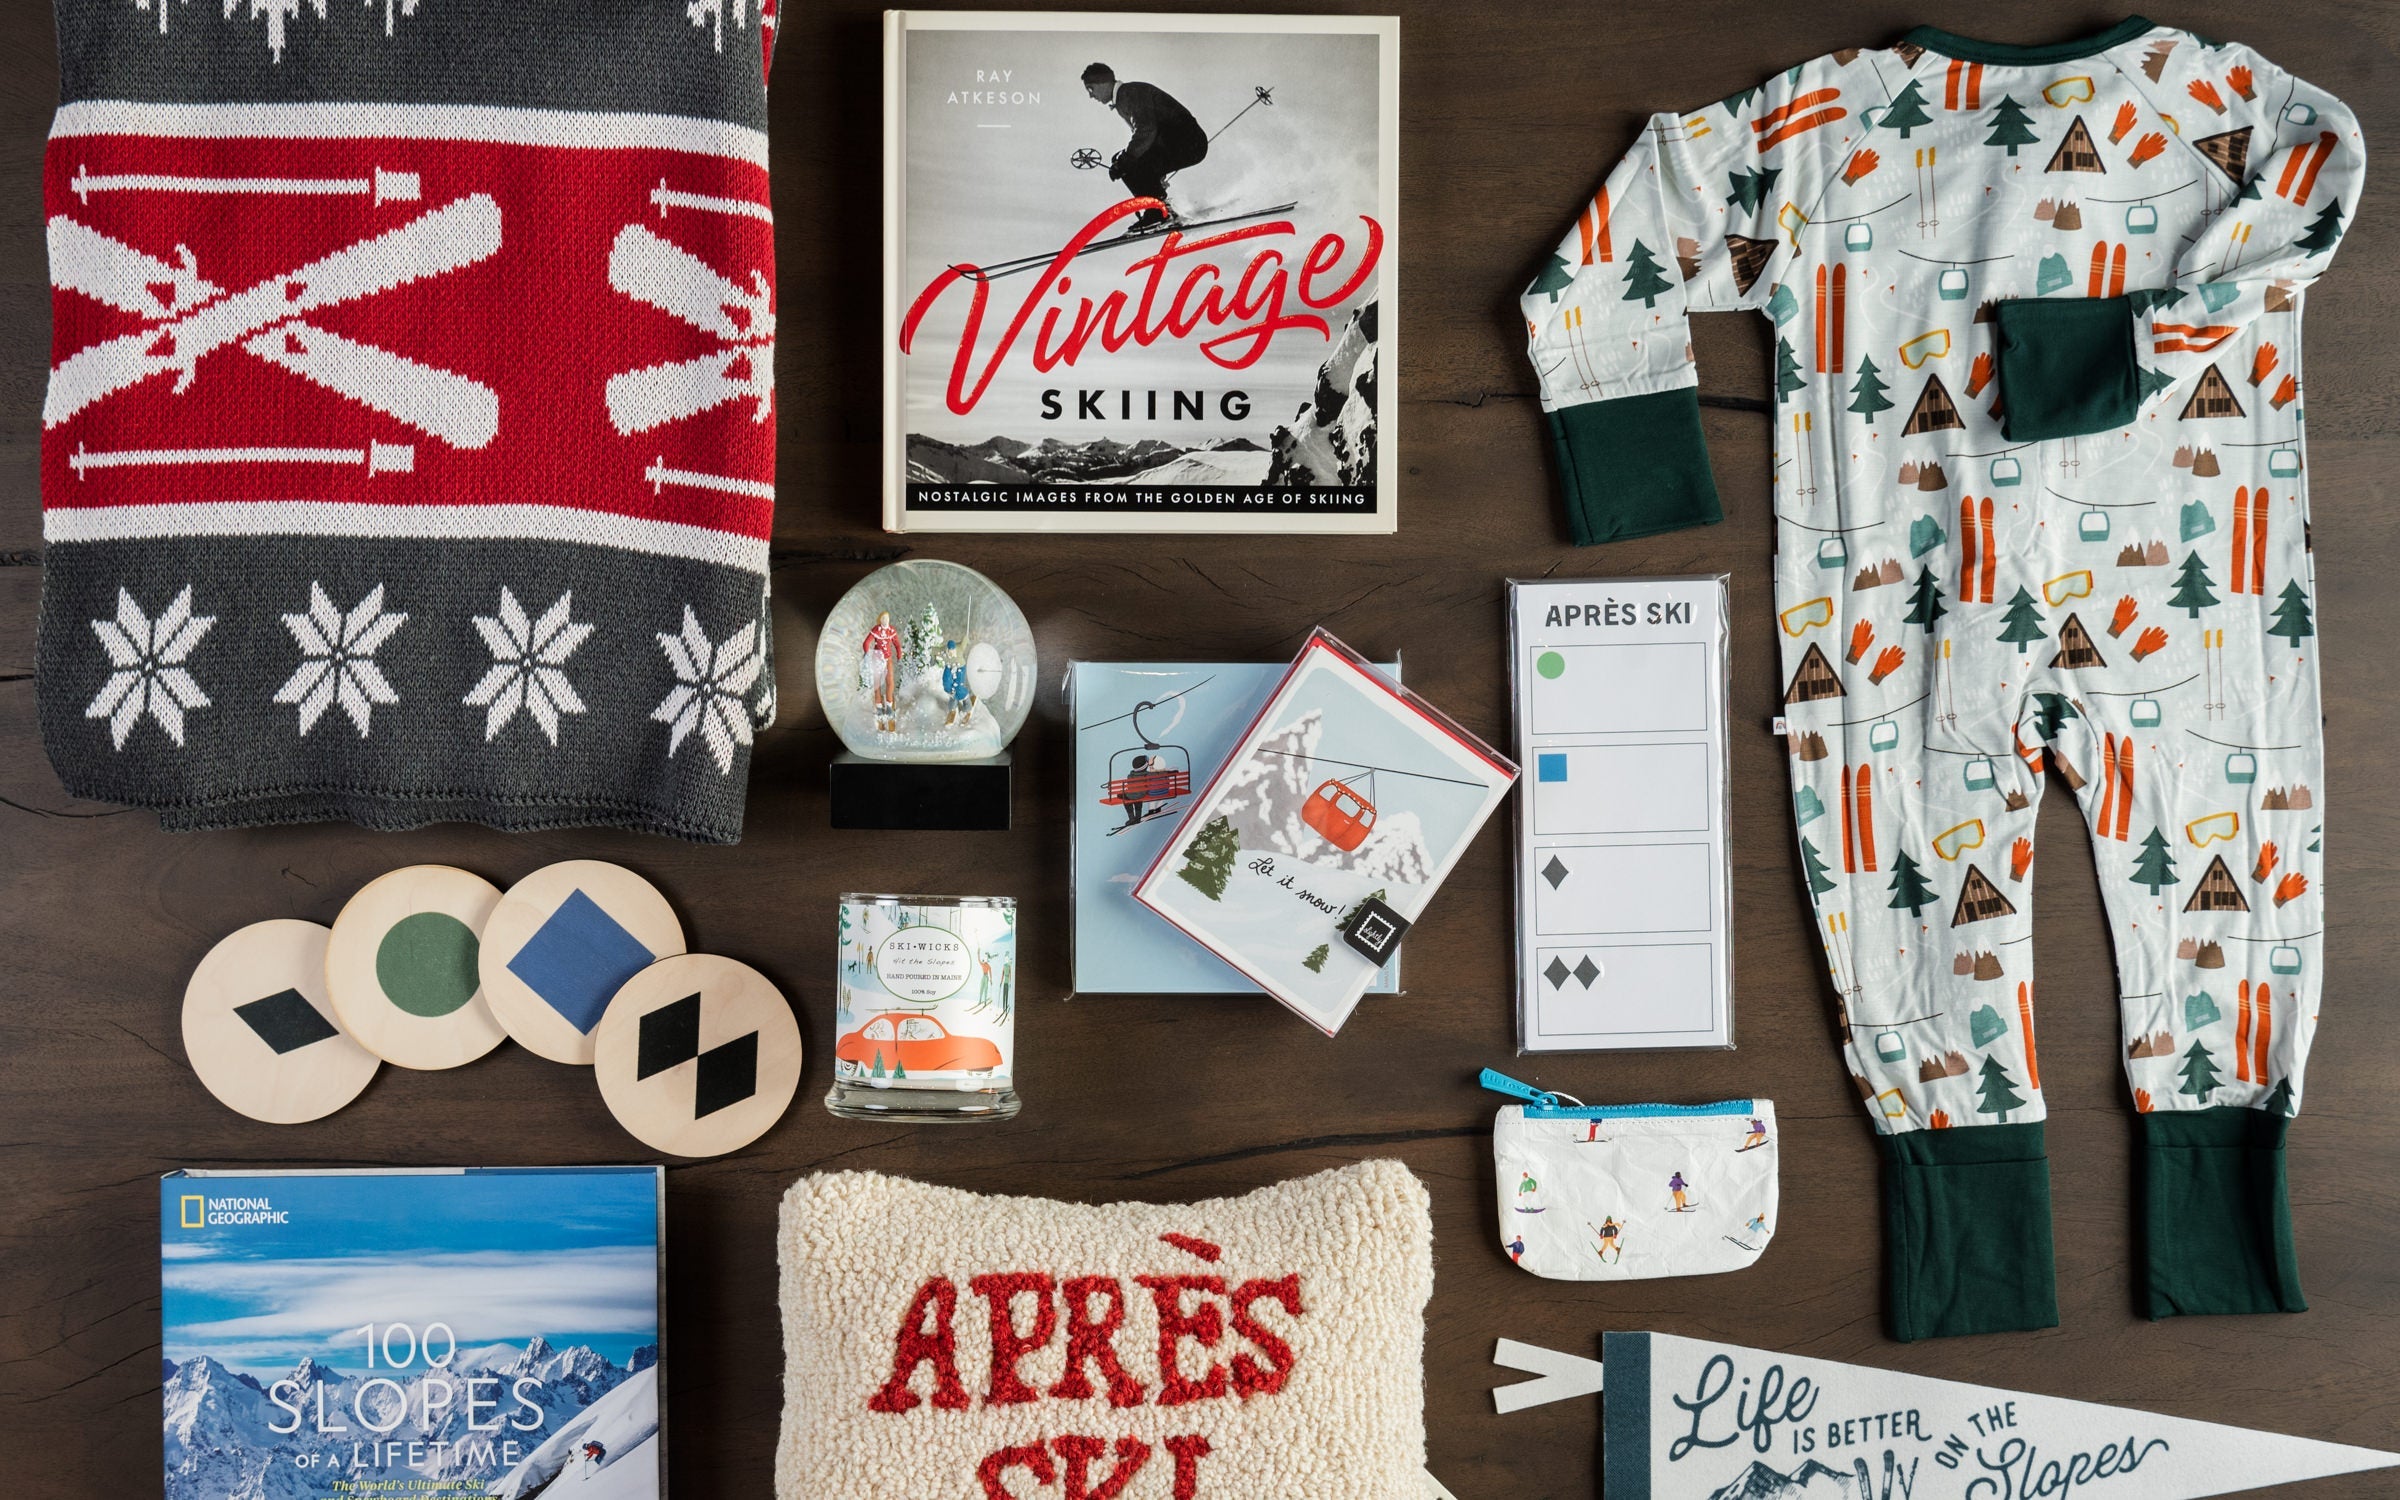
<point>1207,1250</point>
<point>1031,1457</point>
<point>1204,1325</point>
<point>1078,1453</point>
<point>935,1303</point>
<point>1188,1451</point>
<point>1093,1341</point>
<point>1009,1346</point>
<point>1249,1377</point>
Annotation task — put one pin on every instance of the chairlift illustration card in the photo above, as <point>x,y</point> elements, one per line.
<point>1320,840</point>
<point>1138,271</point>
<point>1148,736</point>
<point>1624,896</point>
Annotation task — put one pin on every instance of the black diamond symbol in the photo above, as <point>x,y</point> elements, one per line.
<point>1557,972</point>
<point>286,1021</point>
<point>728,1075</point>
<point>670,1035</point>
<point>1587,971</point>
<point>1554,872</point>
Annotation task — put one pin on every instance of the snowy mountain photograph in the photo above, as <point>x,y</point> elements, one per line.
<point>453,1328</point>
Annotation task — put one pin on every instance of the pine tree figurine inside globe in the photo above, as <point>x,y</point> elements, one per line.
<point>925,661</point>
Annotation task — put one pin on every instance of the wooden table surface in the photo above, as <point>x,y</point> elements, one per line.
<point>1510,113</point>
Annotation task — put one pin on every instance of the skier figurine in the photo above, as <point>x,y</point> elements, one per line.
<point>879,671</point>
<point>1166,139</point>
<point>1676,1185</point>
<point>1610,1242</point>
<point>954,686</point>
<point>1139,768</point>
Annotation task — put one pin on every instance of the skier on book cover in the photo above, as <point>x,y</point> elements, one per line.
<point>1166,139</point>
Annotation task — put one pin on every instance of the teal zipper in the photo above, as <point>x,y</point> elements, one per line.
<point>1545,1106</point>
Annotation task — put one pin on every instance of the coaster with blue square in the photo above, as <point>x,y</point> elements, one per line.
<point>578,960</point>
<point>1551,766</point>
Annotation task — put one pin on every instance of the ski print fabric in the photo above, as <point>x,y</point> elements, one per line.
<point>361,331</point>
<point>2119,231</point>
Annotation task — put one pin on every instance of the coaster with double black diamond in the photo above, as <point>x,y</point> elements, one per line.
<point>698,1055</point>
<point>561,943</point>
<point>260,1032</point>
<point>1375,930</point>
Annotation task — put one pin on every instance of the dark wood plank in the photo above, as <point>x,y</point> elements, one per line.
<point>1511,113</point>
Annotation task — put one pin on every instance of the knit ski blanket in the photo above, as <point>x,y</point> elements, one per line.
<point>945,1343</point>
<point>409,446</point>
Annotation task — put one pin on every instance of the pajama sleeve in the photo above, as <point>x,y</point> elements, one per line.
<point>1686,223</point>
<point>2286,159</point>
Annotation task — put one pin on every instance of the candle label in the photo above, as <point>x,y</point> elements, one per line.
<point>927,997</point>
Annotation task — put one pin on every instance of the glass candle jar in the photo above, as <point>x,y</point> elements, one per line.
<point>925,1008</point>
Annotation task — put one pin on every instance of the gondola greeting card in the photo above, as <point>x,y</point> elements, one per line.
<point>1326,831</point>
<point>1138,271</point>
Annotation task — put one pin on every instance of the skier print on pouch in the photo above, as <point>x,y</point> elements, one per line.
<point>2042,507</point>
<point>1165,140</point>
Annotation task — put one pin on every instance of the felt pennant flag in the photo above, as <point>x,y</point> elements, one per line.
<point>1690,1419</point>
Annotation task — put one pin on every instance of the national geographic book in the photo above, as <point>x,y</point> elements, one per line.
<point>415,1335</point>
<point>1139,272</point>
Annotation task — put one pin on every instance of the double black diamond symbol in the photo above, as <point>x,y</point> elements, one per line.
<point>1558,973</point>
<point>285,1021</point>
<point>727,1073</point>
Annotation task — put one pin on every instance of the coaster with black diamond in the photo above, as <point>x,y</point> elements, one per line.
<point>1375,930</point>
<point>260,1032</point>
<point>697,1055</point>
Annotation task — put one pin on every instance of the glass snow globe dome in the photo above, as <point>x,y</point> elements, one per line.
<point>925,661</point>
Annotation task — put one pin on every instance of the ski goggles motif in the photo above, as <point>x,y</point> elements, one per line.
<point>1952,842</point>
<point>1807,615</point>
<point>2065,91</point>
<point>1925,346</point>
<point>2216,828</point>
<point>2075,585</point>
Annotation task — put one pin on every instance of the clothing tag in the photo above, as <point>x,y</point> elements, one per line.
<point>1780,726</point>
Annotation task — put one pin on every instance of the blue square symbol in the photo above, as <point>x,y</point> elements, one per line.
<point>1553,766</point>
<point>578,960</point>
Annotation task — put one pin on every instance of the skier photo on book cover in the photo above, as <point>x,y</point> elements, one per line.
<point>1166,139</point>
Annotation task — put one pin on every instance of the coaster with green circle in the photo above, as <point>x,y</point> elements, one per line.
<point>401,967</point>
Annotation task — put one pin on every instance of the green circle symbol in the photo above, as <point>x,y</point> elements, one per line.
<point>426,963</point>
<point>1550,664</point>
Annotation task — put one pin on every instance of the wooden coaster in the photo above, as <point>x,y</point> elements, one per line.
<point>401,967</point>
<point>560,945</point>
<point>698,1055</point>
<point>262,1035</point>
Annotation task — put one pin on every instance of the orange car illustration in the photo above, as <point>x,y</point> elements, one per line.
<point>900,1042</point>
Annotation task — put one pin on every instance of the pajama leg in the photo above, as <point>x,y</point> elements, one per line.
<point>1916,827</point>
<point>2201,765</point>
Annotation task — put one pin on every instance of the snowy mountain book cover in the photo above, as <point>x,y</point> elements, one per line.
<point>1139,272</point>
<point>435,1334</point>
<point>1326,831</point>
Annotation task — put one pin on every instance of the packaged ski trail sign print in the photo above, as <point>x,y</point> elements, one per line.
<point>1138,272</point>
<point>1338,813</point>
<point>1624,900</point>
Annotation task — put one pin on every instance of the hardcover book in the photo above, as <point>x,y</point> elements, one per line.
<point>437,1334</point>
<point>1138,272</point>
<point>1319,841</point>
<point>1149,735</point>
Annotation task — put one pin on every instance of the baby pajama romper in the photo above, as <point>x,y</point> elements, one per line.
<point>2041,501</point>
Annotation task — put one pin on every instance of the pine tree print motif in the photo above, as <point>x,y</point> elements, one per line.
<point>1643,279</point>
<point>1910,888</point>
<point>2154,867</point>
<point>1208,859</point>
<point>2292,621</point>
<point>1553,279</point>
<point>1866,392</point>
<point>2022,625</point>
<point>147,666</point>
<point>2011,126</point>
<point>2192,587</point>
<point>1907,111</point>
<point>2324,230</point>
<point>1788,378</point>
<point>1995,1092</point>
<point>337,659</point>
<point>2199,1073</point>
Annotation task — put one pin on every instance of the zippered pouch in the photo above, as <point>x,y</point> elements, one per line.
<point>1623,1192</point>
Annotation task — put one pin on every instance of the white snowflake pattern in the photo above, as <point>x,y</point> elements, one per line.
<point>147,657</point>
<point>526,659</point>
<point>711,13</point>
<point>337,658</point>
<point>278,12</point>
<point>712,687</point>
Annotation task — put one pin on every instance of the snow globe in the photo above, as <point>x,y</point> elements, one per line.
<point>926,671</point>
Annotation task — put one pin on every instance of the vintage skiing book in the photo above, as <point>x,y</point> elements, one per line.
<point>1318,842</point>
<point>438,1333</point>
<point>1138,272</point>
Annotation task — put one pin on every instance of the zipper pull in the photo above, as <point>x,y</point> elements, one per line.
<point>1501,1083</point>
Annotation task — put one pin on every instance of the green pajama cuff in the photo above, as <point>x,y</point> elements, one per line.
<point>1966,1214</point>
<point>2216,1219</point>
<point>1634,466</point>
<point>2067,367</point>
